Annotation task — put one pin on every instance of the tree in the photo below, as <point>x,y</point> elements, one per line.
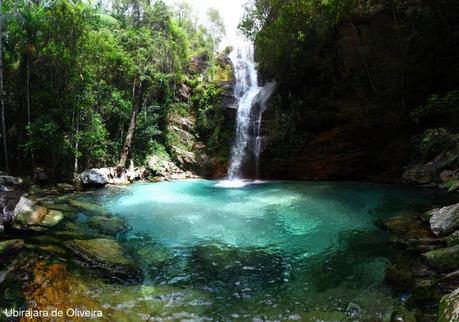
<point>2,91</point>
<point>216,25</point>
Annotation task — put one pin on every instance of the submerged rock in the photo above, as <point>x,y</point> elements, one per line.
<point>108,225</point>
<point>444,258</point>
<point>10,246</point>
<point>29,215</point>
<point>106,254</point>
<point>154,256</point>
<point>411,274</point>
<point>86,207</point>
<point>449,307</point>
<point>445,220</point>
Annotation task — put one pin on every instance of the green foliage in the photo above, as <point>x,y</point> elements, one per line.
<point>436,141</point>
<point>439,111</point>
<point>88,67</point>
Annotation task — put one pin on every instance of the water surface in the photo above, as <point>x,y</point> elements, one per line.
<point>270,251</point>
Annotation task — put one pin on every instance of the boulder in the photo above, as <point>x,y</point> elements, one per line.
<point>444,259</point>
<point>10,246</point>
<point>445,220</point>
<point>449,307</point>
<point>95,177</point>
<point>29,215</point>
<point>105,254</point>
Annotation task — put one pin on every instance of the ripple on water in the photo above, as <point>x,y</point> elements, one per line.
<point>274,250</point>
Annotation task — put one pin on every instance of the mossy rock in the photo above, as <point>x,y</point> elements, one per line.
<point>108,225</point>
<point>30,216</point>
<point>87,207</point>
<point>10,246</point>
<point>105,254</point>
<point>409,230</point>
<point>452,239</point>
<point>449,307</point>
<point>444,258</point>
<point>154,255</point>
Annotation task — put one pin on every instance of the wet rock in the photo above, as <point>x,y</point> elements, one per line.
<point>409,274</point>
<point>445,220</point>
<point>105,254</point>
<point>57,286</point>
<point>95,177</point>
<point>29,215</point>
<point>10,246</point>
<point>444,258</point>
<point>154,256</point>
<point>86,207</point>
<point>401,314</point>
<point>108,225</point>
<point>449,307</point>
<point>411,232</point>
<point>65,187</point>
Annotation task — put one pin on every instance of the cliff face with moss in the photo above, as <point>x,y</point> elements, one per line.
<point>355,84</point>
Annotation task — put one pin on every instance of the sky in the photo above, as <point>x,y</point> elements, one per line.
<point>230,10</point>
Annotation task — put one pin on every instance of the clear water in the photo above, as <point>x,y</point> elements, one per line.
<point>268,251</point>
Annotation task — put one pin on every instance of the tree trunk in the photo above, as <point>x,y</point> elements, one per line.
<point>29,119</point>
<point>77,132</point>
<point>138,95</point>
<point>2,92</point>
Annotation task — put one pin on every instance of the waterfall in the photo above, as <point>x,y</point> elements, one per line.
<point>251,101</point>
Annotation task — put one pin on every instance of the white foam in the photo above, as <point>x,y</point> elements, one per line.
<point>237,183</point>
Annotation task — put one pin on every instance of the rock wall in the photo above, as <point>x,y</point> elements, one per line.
<point>347,116</point>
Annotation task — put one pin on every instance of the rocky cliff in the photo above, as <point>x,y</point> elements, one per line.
<point>346,112</point>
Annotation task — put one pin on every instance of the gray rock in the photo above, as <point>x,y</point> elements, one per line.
<point>445,220</point>
<point>95,177</point>
<point>8,183</point>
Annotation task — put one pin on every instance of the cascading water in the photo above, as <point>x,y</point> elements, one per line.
<point>251,100</point>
